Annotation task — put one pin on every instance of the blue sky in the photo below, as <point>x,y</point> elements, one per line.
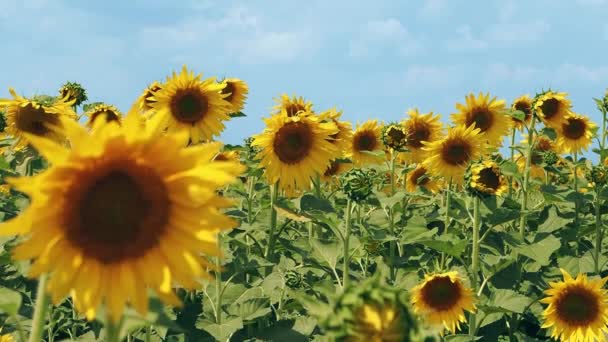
<point>371,59</point>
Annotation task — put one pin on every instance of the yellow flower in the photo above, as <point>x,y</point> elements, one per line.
<point>543,144</point>
<point>377,323</point>
<point>335,169</point>
<point>419,177</point>
<point>419,128</point>
<point>343,138</point>
<point>185,103</point>
<point>523,104</point>
<point>486,114</point>
<point>106,112</point>
<point>7,338</point>
<point>5,189</point>
<point>487,178</point>
<point>577,309</point>
<point>228,156</point>
<point>236,92</point>
<point>366,138</point>
<point>291,106</point>
<point>553,108</point>
<point>146,99</point>
<point>575,133</point>
<point>125,209</point>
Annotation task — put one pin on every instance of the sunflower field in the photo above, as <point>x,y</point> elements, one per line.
<point>486,225</point>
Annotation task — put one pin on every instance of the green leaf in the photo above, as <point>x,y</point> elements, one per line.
<point>553,221</point>
<point>237,115</point>
<point>509,301</point>
<point>517,114</point>
<point>328,252</point>
<point>540,251</point>
<point>462,338</point>
<point>448,244</point>
<point>576,265</point>
<point>252,309</point>
<point>311,203</point>
<point>10,301</point>
<point>549,132</point>
<point>509,168</point>
<point>221,332</point>
<point>389,202</point>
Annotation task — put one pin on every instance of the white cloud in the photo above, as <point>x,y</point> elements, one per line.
<point>432,8</point>
<point>561,74</point>
<point>429,76</point>
<point>466,41</point>
<point>518,32</point>
<point>384,35</point>
<point>592,2</point>
<point>574,72</point>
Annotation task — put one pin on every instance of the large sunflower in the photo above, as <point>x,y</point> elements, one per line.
<point>487,179</point>
<point>524,105</point>
<point>486,114</point>
<point>442,299</point>
<point>343,138</point>
<point>419,128</point>
<point>28,117</point>
<point>377,323</point>
<point>105,112</point>
<point>146,99</point>
<point>450,156</point>
<point>367,139</point>
<point>185,103</point>
<point>553,108</point>
<point>125,209</point>
<point>291,106</point>
<point>419,177</point>
<point>575,133</point>
<point>577,309</point>
<point>236,91</point>
<point>294,149</point>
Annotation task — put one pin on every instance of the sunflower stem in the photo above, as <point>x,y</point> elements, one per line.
<point>112,330</point>
<point>391,212</point>
<point>475,260</point>
<point>42,305</point>
<point>274,189</point>
<point>317,185</point>
<point>218,283</point>
<point>598,231</point>
<point>250,187</point>
<point>446,221</point>
<point>512,159</point>
<point>346,268</point>
<point>575,187</point>
<point>524,188</point>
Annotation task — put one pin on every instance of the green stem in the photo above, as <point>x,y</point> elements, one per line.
<point>598,232</point>
<point>446,221</point>
<point>274,189</point>
<point>317,186</point>
<point>42,305</point>
<point>112,330</point>
<point>524,188</point>
<point>218,283</point>
<point>393,155</point>
<point>346,266</point>
<point>250,187</point>
<point>475,260</point>
<point>391,218</point>
<point>575,187</point>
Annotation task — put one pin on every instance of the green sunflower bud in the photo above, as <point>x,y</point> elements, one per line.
<point>356,184</point>
<point>72,91</point>
<point>293,279</point>
<point>599,174</point>
<point>394,136</point>
<point>550,158</point>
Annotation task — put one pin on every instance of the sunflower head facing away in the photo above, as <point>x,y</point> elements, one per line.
<point>577,309</point>
<point>553,108</point>
<point>235,92</point>
<point>146,99</point>
<point>442,299</point>
<point>187,103</point>
<point>73,92</point>
<point>116,206</point>
<point>419,178</point>
<point>294,149</point>
<point>103,112</point>
<point>28,117</point>
<point>484,178</point>
<point>366,144</point>
<point>485,113</point>
<point>394,136</point>
<point>291,106</point>
<point>419,128</point>
<point>343,138</point>
<point>524,105</point>
<point>575,133</point>
<point>450,156</point>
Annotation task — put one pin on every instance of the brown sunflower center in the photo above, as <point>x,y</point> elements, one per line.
<point>365,141</point>
<point>489,178</point>
<point>578,306</point>
<point>549,108</point>
<point>543,144</point>
<point>416,134</point>
<point>293,142</point>
<point>332,169</point>
<point>482,119</point>
<point>418,176</point>
<point>574,128</point>
<point>456,152</point>
<point>189,106</point>
<point>230,90</point>
<point>441,293</point>
<point>396,134</point>
<point>117,214</point>
<point>293,109</point>
<point>525,108</point>
<point>34,120</point>
<point>109,116</point>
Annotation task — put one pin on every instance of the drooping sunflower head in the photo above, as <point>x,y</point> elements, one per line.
<point>232,156</point>
<point>394,136</point>
<point>291,106</point>
<point>335,169</point>
<point>28,117</point>
<point>553,108</point>
<point>146,99</point>
<point>117,204</point>
<point>187,103</point>
<point>484,178</point>
<point>524,105</point>
<point>235,92</point>
<point>487,114</point>
<point>73,92</point>
<point>420,178</point>
<point>419,128</point>
<point>103,112</point>
<point>442,299</point>
<point>366,147</point>
<point>577,308</point>
<point>343,138</point>
<point>450,156</point>
<point>575,133</point>
<point>294,149</point>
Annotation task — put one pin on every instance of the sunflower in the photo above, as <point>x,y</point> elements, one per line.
<point>377,323</point>
<point>523,104</point>
<point>487,179</point>
<point>7,338</point>
<point>419,177</point>
<point>486,114</point>
<point>367,139</point>
<point>577,309</point>
<point>542,145</point>
<point>294,149</point>
<point>419,128</point>
<point>146,99</point>
<point>233,156</point>
<point>291,106</point>
<point>553,108</point>
<point>575,133</point>
<point>335,169</point>
<point>27,117</point>
<point>236,91</point>
<point>107,112</point>
<point>5,189</point>
<point>125,209</point>
<point>442,299</point>
<point>450,156</point>
<point>343,138</point>
<point>185,103</point>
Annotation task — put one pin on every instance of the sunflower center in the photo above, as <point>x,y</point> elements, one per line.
<point>293,142</point>
<point>456,152</point>
<point>189,106</point>
<point>117,214</point>
<point>549,108</point>
<point>441,293</point>
<point>525,108</point>
<point>481,118</point>
<point>34,120</point>
<point>489,178</point>
<point>574,128</point>
<point>417,176</point>
<point>396,134</point>
<point>578,306</point>
<point>332,169</point>
<point>229,89</point>
<point>365,141</point>
<point>417,134</point>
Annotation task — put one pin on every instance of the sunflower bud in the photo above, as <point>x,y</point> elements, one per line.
<point>599,174</point>
<point>394,136</point>
<point>356,184</point>
<point>484,178</point>
<point>72,91</point>
<point>550,158</point>
<point>293,279</point>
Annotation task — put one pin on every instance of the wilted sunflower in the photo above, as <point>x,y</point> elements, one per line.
<point>485,178</point>
<point>335,169</point>
<point>577,309</point>
<point>227,156</point>
<point>105,112</point>
<point>366,138</point>
<point>236,91</point>
<point>291,106</point>
<point>419,177</point>
<point>185,103</point>
<point>294,149</point>
<point>146,99</point>
<point>442,299</point>
<point>344,137</point>
<point>419,128</point>
<point>524,105</point>
<point>553,108</point>
<point>125,209</point>
<point>486,114</point>
<point>450,156</point>
<point>575,133</point>
<point>27,117</point>
<point>377,323</point>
